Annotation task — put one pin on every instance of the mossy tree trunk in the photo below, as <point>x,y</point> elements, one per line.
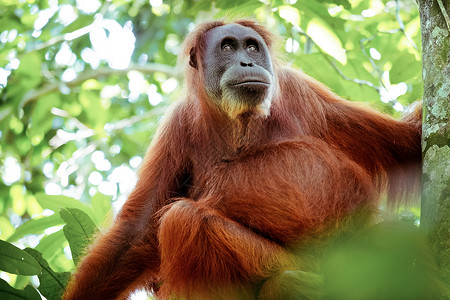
<point>435,218</point>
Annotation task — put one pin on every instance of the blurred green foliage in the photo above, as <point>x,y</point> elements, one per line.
<point>84,83</point>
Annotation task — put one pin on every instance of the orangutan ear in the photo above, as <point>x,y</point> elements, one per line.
<point>193,58</point>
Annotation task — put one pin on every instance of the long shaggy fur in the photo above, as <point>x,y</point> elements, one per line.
<point>225,205</point>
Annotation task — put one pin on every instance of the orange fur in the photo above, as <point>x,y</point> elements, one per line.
<point>223,204</point>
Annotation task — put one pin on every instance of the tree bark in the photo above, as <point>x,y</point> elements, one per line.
<point>435,216</point>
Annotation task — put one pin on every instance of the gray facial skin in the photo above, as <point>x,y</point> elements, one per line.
<point>238,70</point>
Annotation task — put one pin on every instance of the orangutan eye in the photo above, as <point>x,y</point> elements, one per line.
<point>251,45</point>
<point>252,48</point>
<point>227,47</point>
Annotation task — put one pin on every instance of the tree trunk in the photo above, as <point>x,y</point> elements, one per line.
<point>435,216</point>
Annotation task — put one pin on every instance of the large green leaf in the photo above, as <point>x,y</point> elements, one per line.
<point>405,67</point>
<point>52,284</point>
<point>35,226</point>
<point>16,261</point>
<point>51,244</point>
<point>78,231</point>
<point>290,14</point>
<point>9,293</point>
<point>324,37</point>
<point>56,202</point>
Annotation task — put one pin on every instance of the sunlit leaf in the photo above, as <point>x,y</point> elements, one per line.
<point>345,3</point>
<point>7,228</point>
<point>78,231</point>
<point>28,19</point>
<point>290,14</point>
<point>33,207</point>
<point>51,244</point>
<point>81,21</point>
<point>17,193</point>
<point>35,226</point>
<point>56,202</point>
<point>101,205</point>
<point>238,8</point>
<point>326,39</point>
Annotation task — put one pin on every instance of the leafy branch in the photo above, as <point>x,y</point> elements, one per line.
<point>360,82</point>
<point>101,72</point>
<point>77,33</point>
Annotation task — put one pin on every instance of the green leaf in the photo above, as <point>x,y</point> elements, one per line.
<point>51,244</point>
<point>56,202</point>
<point>78,231</point>
<point>9,23</point>
<point>41,118</point>
<point>324,37</point>
<point>315,10</point>
<point>225,4</point>
<point>92,107</point>
<point>16,261</point>
<point>29,72</point>
<point>35,226</point>
<point>52,284</point>
<point>80,22</point>
<point>199,6</point>
<point>21,282</point>
<point>290,14</point>
<point>101,205</point>
<point>326,74</point>
<point>9,293</point>
<point>28,19</point>
<point>404,68</point>
<point>238,8</point>
<point>345,3</point>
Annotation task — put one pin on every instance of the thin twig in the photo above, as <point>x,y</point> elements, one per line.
<point>62,137</point>
<point>402,25</point>
<point>444,13</point>
<point>355,80</point>
<point>76,33</point>
<point>374,65</point>
<point>112,128</point>
<point>65,37</point>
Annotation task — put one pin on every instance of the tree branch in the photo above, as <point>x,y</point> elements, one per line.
<point>402,25</point>
<point>327,58</point>
<point>65,37</point>
<point>355,80</point>
<point>101,72</point>
<point>444,13</point>
<point>77,33</point>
